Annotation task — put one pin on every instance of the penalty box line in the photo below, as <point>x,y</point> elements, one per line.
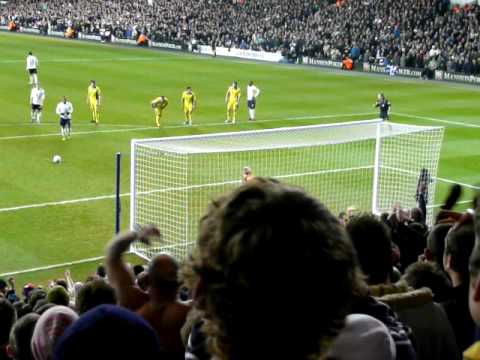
<point>291,118</point>
<point>145,128</point>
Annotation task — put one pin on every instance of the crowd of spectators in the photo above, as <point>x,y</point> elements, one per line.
<point>425,34</point>
<point>274,275</point>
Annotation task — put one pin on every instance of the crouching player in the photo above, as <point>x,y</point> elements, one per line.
<point>158,105</point>
<point>65,110</point>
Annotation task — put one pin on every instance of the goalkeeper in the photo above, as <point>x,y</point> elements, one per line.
<point>158,105</point>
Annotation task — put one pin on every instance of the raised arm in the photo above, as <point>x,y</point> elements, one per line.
<point>121,278</point>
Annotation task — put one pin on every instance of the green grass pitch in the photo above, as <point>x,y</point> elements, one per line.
<point>40,235</point>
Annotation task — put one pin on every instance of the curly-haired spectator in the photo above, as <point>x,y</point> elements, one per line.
<point>425,274</point>
<point>261,299</point>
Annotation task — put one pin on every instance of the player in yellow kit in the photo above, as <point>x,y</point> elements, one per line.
<point>94,99</point>
<point>232,99</point>
<point>189,103</point>
<point>158,105</point>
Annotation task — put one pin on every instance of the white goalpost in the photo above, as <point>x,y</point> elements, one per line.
<point>369,164</point>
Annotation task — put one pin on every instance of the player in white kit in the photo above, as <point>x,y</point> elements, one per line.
<point>32,68</point>
<point>37,97</point>
<point>252,94</point>
<point>65,110</point>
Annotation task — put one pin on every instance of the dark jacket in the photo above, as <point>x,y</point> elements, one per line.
<point>459,315</point>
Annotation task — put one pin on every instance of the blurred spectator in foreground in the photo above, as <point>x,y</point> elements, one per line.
<point>244,246</point>
<point>109,332</point>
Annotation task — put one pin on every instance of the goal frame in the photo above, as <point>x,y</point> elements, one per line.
<point>376,166</point>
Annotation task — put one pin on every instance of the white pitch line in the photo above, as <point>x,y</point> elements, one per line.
<point>307,117</point>
<point>84,60</point>
<point>451,122</point>
<point>49,267</point>
<point>63,202</point>
<point>458,203</point>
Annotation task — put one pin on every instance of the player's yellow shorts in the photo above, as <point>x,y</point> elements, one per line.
<point>93,105</point>
<point>188,109</point>
<point>232,105</point>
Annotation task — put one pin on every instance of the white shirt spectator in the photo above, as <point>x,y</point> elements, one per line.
<point>252,92</point>
<point>37,96</point>
<point>65,109</point>
<point>32,62</point>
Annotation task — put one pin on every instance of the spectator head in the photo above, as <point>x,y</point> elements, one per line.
<point>21,336</point>
<point>62,283</point>
<point>58,296</point>
<point>163,275</point>
<point>93,294</point>
<point>3,288</point>
<point>436,244</point>
<point>417,214</point>
<point>35,296</point>
<point>27,290</point>
<point>50,327</point>
<point>101,271</point>
<point>372,241</point>
<point>129,337</point>
<point>8,317</point>
<point>342,217</point>
<point>426,274</point>
<point>246,257</point>
<point>459,244</point>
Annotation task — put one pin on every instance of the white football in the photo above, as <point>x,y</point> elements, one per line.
<point>57,159</point>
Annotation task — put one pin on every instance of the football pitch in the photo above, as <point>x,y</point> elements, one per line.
<point>55,214</point>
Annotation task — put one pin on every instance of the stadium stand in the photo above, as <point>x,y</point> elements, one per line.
<point>429,34</point>
<point>235,298</point>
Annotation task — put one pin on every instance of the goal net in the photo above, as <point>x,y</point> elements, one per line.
<point>371,165</point>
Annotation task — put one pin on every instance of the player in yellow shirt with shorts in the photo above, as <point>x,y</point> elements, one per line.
<point>93,100</point>
<point>189,103</point>
<point>158,105</point>
<point>232,99</point>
